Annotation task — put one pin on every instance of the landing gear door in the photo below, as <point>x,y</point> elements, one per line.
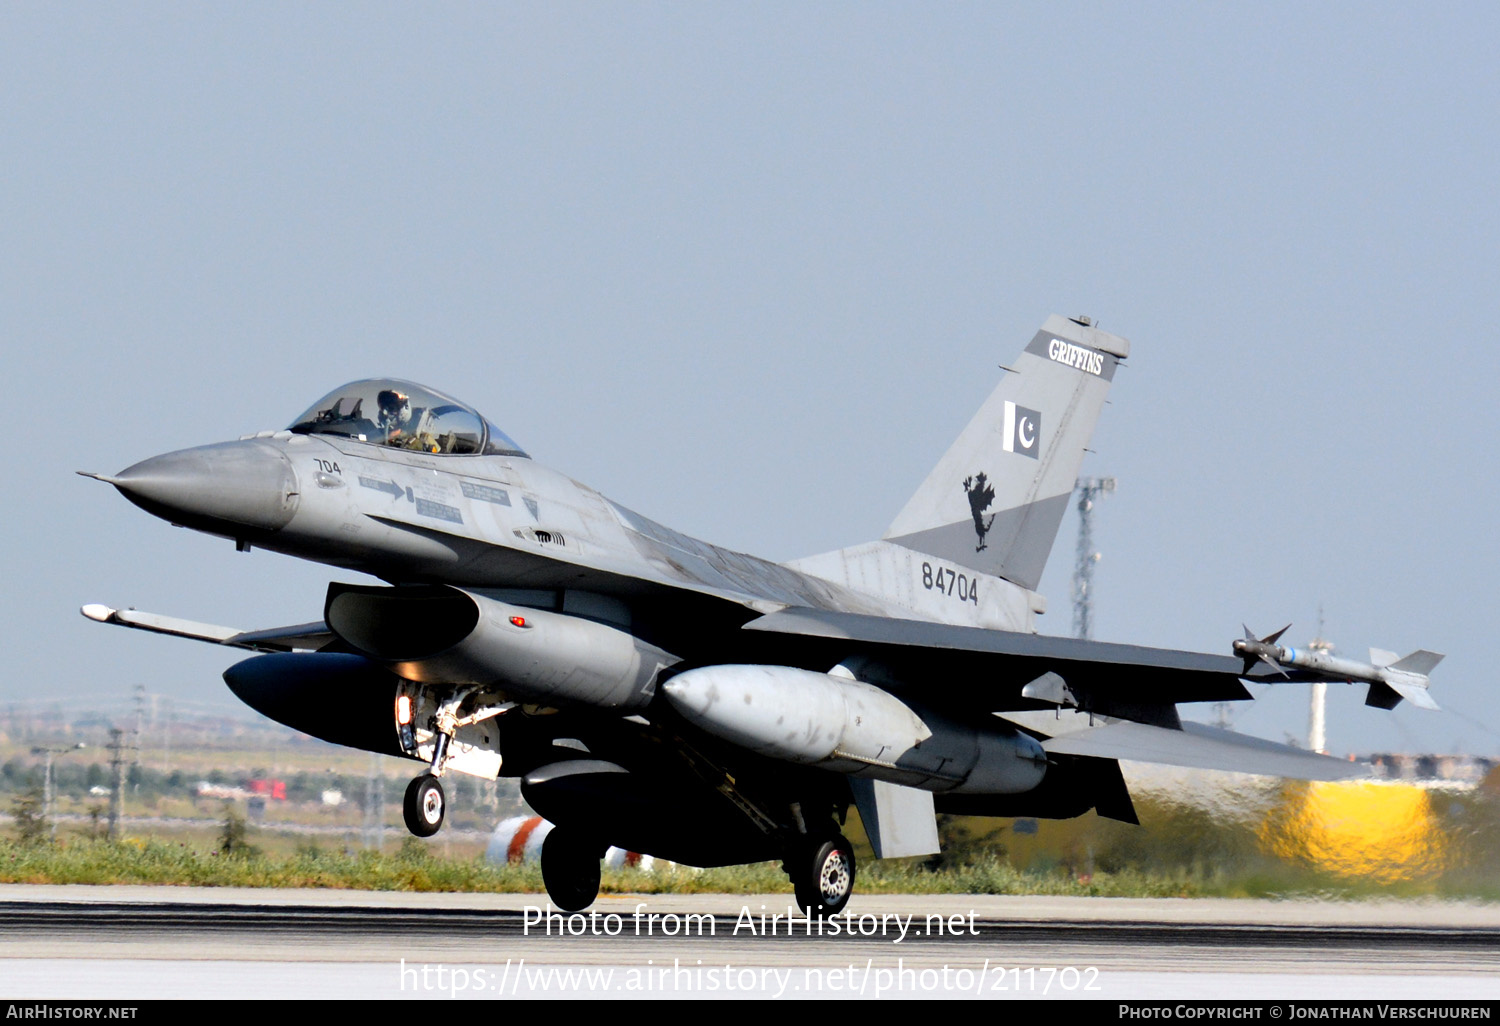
<point>475,748</point>
<point>899,820</point>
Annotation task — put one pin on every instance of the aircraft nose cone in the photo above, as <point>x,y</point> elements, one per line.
<point>246,483</point>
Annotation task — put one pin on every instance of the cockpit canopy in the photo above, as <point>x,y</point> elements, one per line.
<point>383,411</point>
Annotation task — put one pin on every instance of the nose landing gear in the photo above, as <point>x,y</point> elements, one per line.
<point>424,805</point>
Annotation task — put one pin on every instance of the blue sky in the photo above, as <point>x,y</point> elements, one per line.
<point>750,268</point>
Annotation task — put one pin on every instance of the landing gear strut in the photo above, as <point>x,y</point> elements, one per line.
<point>822,873</point>
<point>424,805</point>
<point>570,869</point>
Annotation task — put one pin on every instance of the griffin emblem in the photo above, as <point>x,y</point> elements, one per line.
<point>981,493</point>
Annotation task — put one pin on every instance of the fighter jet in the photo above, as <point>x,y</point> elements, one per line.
<point>664,695</point>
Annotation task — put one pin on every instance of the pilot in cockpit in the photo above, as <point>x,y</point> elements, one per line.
<point>403,415</point>
<point>395,414</point>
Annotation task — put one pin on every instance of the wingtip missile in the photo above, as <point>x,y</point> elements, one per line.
<point>1390,679</point>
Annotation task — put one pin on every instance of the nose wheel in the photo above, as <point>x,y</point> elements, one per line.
<point>424,805</point>
<point>822,874</point>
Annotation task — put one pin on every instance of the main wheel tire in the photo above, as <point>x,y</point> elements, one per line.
<point>824,876</point>
<point>570,869</point>
<point>424,805</point>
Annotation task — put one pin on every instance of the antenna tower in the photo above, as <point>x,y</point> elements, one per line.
<point>1089,489</point>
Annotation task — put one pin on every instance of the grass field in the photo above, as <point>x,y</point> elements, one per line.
<point>1084,857</point>
<point>1252,838</point>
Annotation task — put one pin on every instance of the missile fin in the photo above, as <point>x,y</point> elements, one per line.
<point>1416,695</point>
<point>1273,664</point>
<point>1421,661</point>
<point>1252,658</point>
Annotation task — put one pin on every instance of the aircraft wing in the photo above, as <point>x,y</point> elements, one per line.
<point>1085,698</point>
<point>1002,663</point>
<point>304,637</point>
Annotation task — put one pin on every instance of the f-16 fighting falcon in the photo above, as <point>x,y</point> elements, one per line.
<point>667,696</point>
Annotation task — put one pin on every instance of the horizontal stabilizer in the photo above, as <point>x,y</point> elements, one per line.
<point>1202,747</point>
<point>305,637</point>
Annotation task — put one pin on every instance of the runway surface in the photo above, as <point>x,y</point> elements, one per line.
<point>143,942</point>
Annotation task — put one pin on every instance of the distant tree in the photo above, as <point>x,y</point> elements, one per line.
<point>31,819</point>
<point>233,834</point>
<point>15,774</point>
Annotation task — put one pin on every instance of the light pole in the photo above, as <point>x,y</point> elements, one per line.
<point>47,782</point>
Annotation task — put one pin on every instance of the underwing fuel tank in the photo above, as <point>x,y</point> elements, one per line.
<point>441,635</point>
<point>841,724</point>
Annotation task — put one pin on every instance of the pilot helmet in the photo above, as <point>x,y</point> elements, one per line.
<point>395,408</point>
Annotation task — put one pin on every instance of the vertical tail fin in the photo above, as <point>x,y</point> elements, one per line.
<point>996,498</point>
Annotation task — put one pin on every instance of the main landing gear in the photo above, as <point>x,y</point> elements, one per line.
<point>822,873</point>
<point>424,805</point>
<point>570,869</point>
